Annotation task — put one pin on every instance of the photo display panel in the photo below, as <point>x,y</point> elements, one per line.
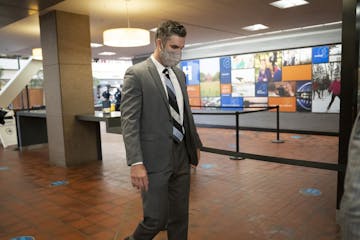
<point>298,80</point>
<point>192,73</point>
<point>210,82</point>
<point>228,101</point>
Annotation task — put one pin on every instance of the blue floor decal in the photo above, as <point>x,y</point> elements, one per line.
<point>310,191</point>
<point>23,238</point>
<point>207,166</point>
<point>59,183</point>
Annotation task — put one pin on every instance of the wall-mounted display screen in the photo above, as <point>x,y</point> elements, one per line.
<point>298,80</point>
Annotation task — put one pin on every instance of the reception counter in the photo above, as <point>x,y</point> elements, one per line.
<point>31,126</point>
<point>111,119</point>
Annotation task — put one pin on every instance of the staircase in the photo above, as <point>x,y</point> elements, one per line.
<point>15,85</point>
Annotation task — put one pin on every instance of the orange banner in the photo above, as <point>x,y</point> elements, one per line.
<point>226,89</point>
<point>193,91</point>
<point>286,104</point>
<point>195,102</point>
<point>298,72</point>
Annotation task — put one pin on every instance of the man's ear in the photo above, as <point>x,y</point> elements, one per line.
<point>159,44</point>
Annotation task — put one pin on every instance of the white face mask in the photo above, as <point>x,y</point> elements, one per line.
<point>170,58</point>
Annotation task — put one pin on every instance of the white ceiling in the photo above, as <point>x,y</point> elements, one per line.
<point>205,20</point>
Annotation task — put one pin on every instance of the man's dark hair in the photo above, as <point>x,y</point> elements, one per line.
<point>169,28</point>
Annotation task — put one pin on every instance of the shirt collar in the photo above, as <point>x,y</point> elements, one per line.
<point>158,65</point>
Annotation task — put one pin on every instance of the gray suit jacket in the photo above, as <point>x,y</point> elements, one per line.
<point>146,121</point>
<point>350,202</point>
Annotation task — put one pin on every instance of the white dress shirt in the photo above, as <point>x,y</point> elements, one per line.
<point>175,82</point>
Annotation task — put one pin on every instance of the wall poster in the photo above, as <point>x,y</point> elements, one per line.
<point>210,82</point>
<point>298,80</point>
<point>326,86</point>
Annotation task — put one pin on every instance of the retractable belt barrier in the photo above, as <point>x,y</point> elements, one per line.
<point>237,155</point>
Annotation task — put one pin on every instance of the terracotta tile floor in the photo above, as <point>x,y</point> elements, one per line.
<point>247,199</point>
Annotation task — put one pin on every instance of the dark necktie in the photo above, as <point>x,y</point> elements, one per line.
<point>178,131</point>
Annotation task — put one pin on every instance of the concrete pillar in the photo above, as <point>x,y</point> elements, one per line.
<point>65,42</point>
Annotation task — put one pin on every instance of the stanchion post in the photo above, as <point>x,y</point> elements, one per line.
<point>277,140</point>
<point>27,97</point>
<point>237,137</point>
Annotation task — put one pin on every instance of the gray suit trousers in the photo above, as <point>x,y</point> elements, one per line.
<point>166,203</point>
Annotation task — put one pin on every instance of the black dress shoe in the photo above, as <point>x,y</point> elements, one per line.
<point>164,228</point>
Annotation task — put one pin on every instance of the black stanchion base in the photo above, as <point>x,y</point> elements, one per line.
<point>236,158</point>
<point>277,141</point>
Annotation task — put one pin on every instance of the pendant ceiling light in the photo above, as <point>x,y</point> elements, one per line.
<point>126,37</point>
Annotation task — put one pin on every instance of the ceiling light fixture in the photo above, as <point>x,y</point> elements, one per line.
<point>255,27</point>
<point>37,53</point>
<point>96,45</point>
<point>288,3</point>
<point>126,37</point>
<point>107,53</point>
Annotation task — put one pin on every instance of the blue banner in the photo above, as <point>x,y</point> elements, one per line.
<point>303,96</point>
<point>231,103</point>
<point>261,89</point>
<point>191,69</point>
<point>320,54</point>
<point>225,70</point>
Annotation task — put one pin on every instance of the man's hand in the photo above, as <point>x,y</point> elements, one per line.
<point>139,178</point>
<point>198,156</point>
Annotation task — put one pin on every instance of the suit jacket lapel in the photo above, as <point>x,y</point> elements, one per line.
<point>155,76</point>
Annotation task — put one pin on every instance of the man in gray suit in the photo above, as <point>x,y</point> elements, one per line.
<point>160,136</point>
